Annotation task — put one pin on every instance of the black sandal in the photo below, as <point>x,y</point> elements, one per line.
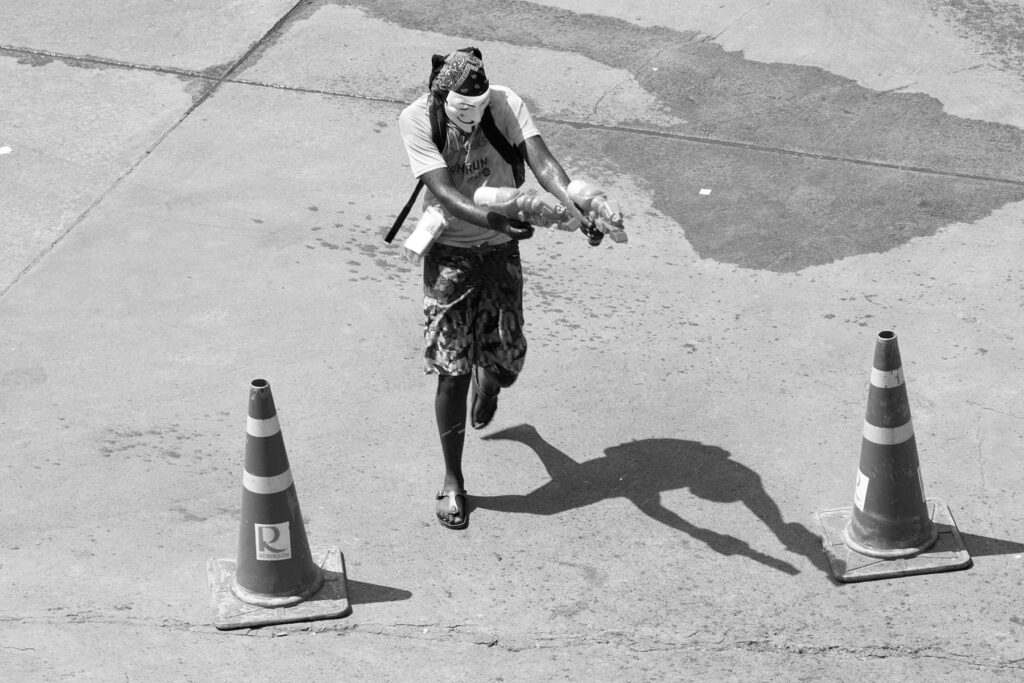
<point>454,509</point>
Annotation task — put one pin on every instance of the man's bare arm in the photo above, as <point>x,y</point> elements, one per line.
<point>549,173</point>
<point>555,180</point>
<point>439,182</point>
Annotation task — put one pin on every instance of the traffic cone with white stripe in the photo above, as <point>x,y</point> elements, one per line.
<point>892,529</point>
<point>277,573</point>
<point>275,567</point>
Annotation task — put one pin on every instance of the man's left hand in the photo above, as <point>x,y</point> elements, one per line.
<point>519,230</point>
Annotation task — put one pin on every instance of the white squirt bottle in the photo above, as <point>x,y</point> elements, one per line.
<point>430,225</point>
<point>495,196</point>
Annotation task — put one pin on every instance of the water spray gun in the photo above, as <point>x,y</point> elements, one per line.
<point>526,205</point>
<point>604,213</point>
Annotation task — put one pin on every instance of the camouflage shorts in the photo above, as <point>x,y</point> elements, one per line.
<point>473,303</point>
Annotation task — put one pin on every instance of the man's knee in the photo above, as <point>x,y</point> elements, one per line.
<point>452,384</point>
<point>506,378</point>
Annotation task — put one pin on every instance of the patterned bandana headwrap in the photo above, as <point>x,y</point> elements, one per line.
<point>462,73</point>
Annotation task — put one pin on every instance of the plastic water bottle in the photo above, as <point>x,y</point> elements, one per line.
<point>430,225</point>
<point>495,196</point>
<point>524,205</point>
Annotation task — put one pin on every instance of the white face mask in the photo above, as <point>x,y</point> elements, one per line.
<point>466,112</point>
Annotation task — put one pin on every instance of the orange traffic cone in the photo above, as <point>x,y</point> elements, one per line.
<point>892,529</point>
<point>277,575</point>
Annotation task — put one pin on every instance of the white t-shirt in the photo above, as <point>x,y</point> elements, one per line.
<point>471,160</point>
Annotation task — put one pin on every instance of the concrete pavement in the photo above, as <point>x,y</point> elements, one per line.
<point>195,196</point>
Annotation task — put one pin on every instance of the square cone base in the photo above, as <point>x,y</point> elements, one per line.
<point>330,602</point>
<point>847,565</point>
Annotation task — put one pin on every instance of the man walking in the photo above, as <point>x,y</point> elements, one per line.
<point>464,134</point>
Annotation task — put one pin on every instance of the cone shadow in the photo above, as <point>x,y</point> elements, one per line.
<point>363,593</point>
<point>981,546</point>
<point>640,471</point>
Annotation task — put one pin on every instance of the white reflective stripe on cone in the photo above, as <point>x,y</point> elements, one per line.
<point>887,379</point>
<point>267,485</point>
<point>262,428</point>
<point>889,436</point>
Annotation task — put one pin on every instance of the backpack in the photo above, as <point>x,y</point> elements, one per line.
<point>438,133</point>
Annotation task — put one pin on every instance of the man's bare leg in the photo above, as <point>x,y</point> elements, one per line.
<point>450,410</point>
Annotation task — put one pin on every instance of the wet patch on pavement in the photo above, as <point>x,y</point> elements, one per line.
<point>779,212</point>
<point>815,167</point>
<point>998,27</point>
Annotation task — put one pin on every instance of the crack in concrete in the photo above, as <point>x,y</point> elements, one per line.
<point>17,649</point>
<point>740,18</point>
<point>877,652</point>
<point>536,640</point>
<point>993,410</point>
<point>630,640</point>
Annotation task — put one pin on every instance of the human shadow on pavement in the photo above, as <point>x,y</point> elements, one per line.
<point>640,471</point>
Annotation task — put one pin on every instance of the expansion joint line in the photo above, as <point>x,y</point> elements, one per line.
<point>668,135</point>
<point>782,150</point>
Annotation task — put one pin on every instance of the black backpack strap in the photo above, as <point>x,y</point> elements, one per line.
<point>440,137</point>
<point>438,123</point>
<point>403,213</point>
<point>507,151</point>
